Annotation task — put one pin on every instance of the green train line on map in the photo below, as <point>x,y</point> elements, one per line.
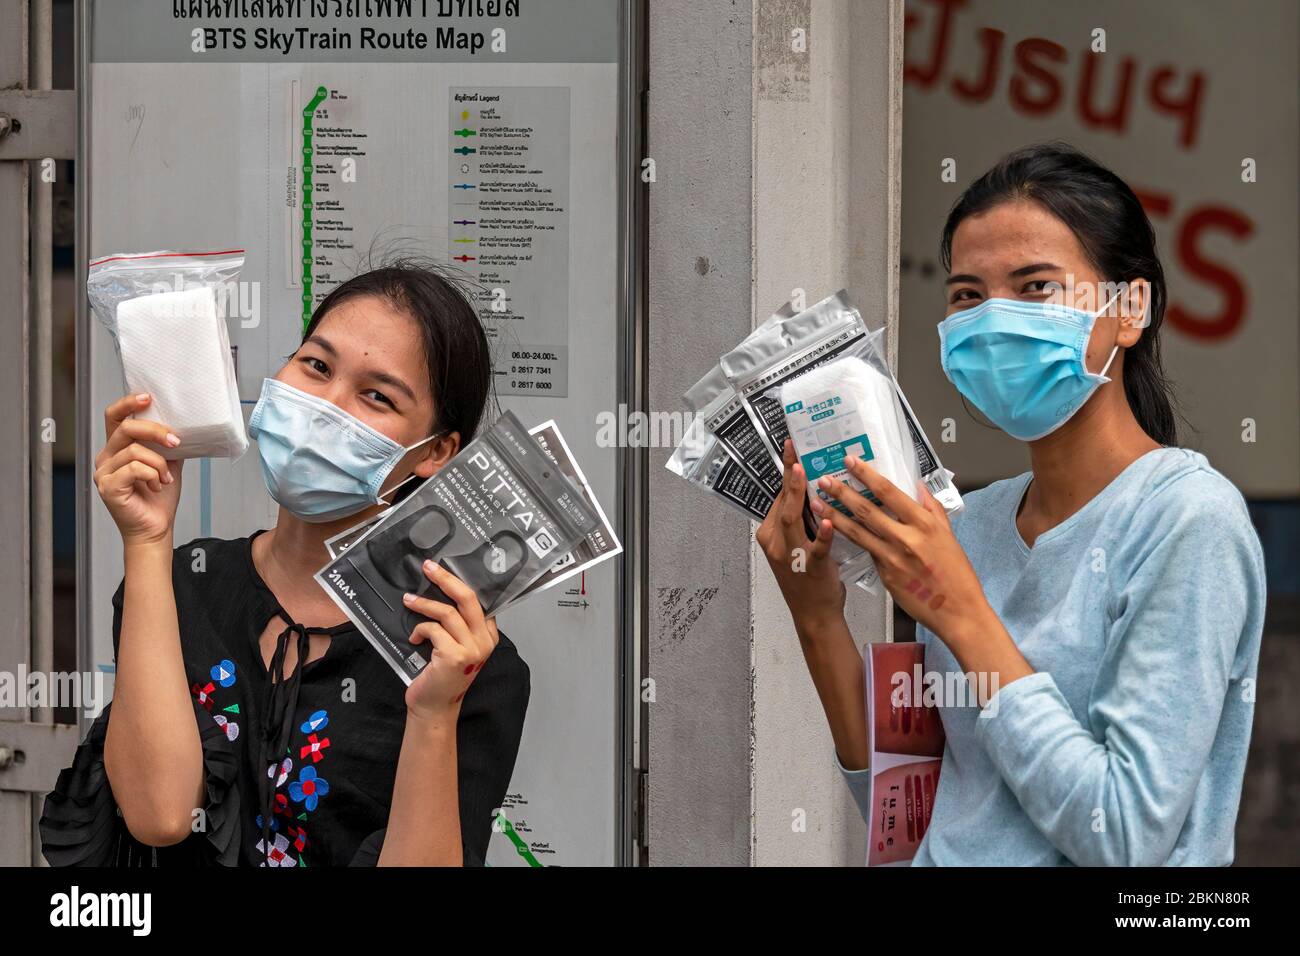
<point>308,112</point>
<point>515,838</point>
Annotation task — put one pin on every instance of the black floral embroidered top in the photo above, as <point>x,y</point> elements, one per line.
<point>318,749</point>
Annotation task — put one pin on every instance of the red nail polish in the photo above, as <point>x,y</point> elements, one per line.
<point>469,669</point>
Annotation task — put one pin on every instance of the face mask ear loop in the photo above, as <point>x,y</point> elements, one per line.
<point>381,500</point>
<point>1114,350</point>
<point>409,448</point>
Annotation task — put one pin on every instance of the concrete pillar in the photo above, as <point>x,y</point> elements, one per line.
<point>777,168</point>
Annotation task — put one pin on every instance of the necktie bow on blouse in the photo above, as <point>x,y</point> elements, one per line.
<point>281,706</point>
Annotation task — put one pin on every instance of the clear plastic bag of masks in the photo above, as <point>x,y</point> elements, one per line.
<point>499,516</point>
<point>724,454</point>
<point>822,379</point>
<point>706,463</point>
<point>167,314</point>
<point>714,402</point>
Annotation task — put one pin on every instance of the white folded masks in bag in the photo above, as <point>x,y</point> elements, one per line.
<point>847,407</point>
<point>174,346</point>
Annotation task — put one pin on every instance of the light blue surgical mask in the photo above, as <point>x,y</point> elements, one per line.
<point>1022,363</point>
<point>318,461</point>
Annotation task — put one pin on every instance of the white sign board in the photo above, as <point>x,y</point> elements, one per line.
<point>280,139</point>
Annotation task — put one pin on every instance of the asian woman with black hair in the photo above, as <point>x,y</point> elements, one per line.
<point>251,724</point>
<point>1106,606</point>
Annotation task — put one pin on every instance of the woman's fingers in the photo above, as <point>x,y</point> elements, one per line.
<point>137,452</point>
<point>930,503</point>
<point>137,430</point>
<point>443,613</point>
<point>821,545</point>
<point>794,499</point>
<point>122,409</point>
<point>794,485</point>
<point>886,492</point>
<point>460,592</point>
<point>867,512</point>
<point>879,548</point>
<point>443,644</point>
<point>120,479</point>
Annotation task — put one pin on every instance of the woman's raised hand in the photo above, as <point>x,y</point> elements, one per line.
<point>462,639</point>
<point>808,577</point>
<point>138,486</point>
<point>919,558</point>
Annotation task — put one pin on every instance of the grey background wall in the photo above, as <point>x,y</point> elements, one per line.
<point>699,108</point>
<point>755,197</point>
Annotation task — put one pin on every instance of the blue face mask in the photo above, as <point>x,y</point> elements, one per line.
<point>1022,363</point>
<point>318,461</point>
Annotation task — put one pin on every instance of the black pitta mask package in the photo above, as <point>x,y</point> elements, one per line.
<point>498,516</point>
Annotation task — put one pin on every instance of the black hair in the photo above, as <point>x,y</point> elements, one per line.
<point>1108,220</point>
<point>456,351</point>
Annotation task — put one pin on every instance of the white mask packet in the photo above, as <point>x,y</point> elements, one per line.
<point>822,379</point>
<point>167,314</point>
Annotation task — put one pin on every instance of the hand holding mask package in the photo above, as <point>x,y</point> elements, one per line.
<point>166,312</point>
<point>821,379</point>
<point>498,515</point>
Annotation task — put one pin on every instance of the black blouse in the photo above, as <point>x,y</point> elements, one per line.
<point>336,725</point>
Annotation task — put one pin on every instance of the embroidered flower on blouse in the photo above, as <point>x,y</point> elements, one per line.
<point>276,855</point>
<point>317,721</point>
<point>286,767</point>
<point>229,726</point>
<point>204,694</point>
<point>313,748</point>
<point>298,835</point>
<point>223,673</point>
<point>282,806</point>
<point>308,788</point>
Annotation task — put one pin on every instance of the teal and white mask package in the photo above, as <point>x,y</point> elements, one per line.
<point>821,379</point>
<point>847,407</point>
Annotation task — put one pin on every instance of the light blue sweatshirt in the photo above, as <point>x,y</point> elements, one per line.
<point>1141,614</point>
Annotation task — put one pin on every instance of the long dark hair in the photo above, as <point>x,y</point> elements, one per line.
<point>1115,233</point>
<point>456,351</point>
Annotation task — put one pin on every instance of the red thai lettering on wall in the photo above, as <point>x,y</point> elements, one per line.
<point>1190,233</point>
<point>1044,79</point>
<point>1042,73</point>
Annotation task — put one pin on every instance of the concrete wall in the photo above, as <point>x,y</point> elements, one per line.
<point>825,217</point>
<point>756,195</point>
<point>698,133</point>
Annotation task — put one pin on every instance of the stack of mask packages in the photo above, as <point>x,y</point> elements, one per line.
<point>511,514</point>
<point>819,377</point>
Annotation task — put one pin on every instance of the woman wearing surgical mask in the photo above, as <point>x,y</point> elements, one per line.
<point>1109,601</point>
<point>251,724</point>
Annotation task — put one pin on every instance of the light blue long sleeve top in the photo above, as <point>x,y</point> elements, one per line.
<point>1141,615</point>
